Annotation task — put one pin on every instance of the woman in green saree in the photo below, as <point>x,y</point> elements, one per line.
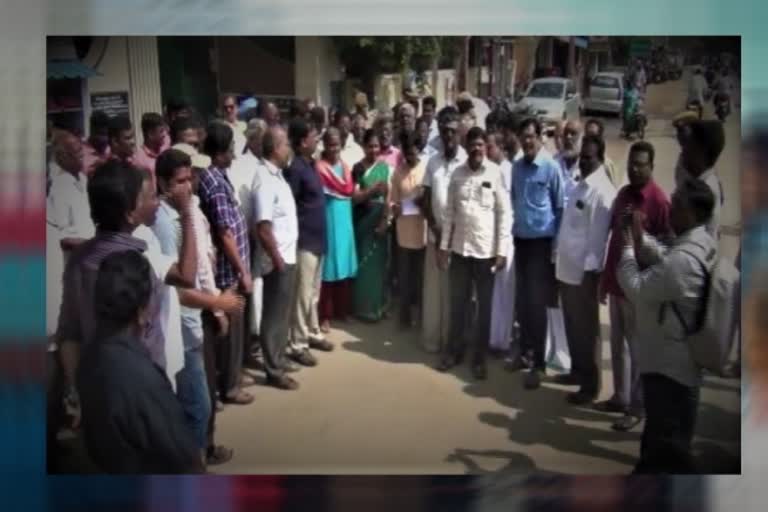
<point>371,177</point>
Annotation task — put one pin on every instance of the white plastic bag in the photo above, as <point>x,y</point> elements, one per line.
<point>557,355</point>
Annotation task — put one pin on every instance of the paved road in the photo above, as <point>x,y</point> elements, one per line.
<point>376,406</point>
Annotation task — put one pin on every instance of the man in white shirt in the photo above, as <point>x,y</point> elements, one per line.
<point>436,302</point>
<point>428,111</point>
<point>697,87</point>
<point>569,145</point>
<point>67,214</point>
<point>476,233</point>
<point>422,138</point>
<point>229,112</point>
<point>581,246</point>
<point>243,174</point>
<point>277,228</point>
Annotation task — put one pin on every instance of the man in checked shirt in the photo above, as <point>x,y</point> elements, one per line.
<point>230,235</point>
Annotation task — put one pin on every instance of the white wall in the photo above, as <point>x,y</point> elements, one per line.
<point>125,65</point>
<point>316,67</point>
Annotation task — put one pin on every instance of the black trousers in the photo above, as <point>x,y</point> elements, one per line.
<point>211,340</point>
<point>670,421</point>
<point>467,273</point>
<point>410,271</point>
<point>279,297</point>
<point>534,292</point>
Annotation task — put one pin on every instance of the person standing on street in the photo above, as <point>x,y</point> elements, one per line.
<point>340,263</point>
<point>537,200</point>
<point>581,245</point>
<point>428,113</point>
<point>156,140</point>
<point>122,140</point>
<point>96,147</point>
<point>389,153</point>
<point>642,194</point>
<point>702,142</point>
<point>132,421</point>
<point>569,146</point>
<point>503,308</point>
<point>277,229</point>
<point>673,275</point>
<point>410,228</point>
<point>436,299</point>
<point>596,127</point>
<point>476,232</point>
<point>371,212</point>
<point>233,268</point>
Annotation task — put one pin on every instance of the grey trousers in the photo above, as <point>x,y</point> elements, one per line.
<point>581,315</point>
<point>627,385</point>
<point>279,292</point>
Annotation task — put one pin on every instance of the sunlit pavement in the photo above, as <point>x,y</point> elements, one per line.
<point>376,405</point>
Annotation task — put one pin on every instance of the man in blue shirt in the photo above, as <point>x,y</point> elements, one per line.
<point>308,192</point>
<point>537,200</point>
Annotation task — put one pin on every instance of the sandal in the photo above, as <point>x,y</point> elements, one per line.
<point>325,327</point>
<point>242,398</point>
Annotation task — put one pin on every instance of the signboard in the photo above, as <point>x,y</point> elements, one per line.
<point>113,104</point>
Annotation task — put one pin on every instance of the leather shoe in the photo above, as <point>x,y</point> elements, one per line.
<point>321,344</point>
<point>609,406</point>
<point>446,364</point>
<point>580,398</point>
<point>626,423</point>
<point>567,379</point>
<point>282,382</point>
<point>304,358</point>
<point>532,379</point>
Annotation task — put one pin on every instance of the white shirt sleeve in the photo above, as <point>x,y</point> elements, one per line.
<point>264,201</point>
<point>599,227</point>
<point>161,264</point>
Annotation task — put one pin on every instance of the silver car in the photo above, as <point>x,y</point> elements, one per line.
<point>606,93</point>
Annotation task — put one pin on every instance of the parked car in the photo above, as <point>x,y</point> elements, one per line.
<point>553,100</point>
<point>606,93</point>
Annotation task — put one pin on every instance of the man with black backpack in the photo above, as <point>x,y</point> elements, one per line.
<point>682,301</point>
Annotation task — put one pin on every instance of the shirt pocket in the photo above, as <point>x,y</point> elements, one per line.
<point>537,193</point>
<point>486,197</point>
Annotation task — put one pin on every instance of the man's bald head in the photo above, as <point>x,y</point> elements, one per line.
<point>406,115</point>
<point>275,146</point>
<point>68,152</point>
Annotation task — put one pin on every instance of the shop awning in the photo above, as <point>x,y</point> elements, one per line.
<point>69,68</point>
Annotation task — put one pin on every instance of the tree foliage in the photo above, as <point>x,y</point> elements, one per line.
<point>364,56</point>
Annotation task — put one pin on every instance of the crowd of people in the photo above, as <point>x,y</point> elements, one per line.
<point>215,249</point>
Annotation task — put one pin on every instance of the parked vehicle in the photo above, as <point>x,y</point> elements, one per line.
<point>553,100</point>
<point>606,93</point>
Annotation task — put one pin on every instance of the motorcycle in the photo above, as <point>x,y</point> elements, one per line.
<point>722,106</point>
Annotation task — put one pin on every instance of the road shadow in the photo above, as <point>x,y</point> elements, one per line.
<point>728,385</point>
<point>516,462</point>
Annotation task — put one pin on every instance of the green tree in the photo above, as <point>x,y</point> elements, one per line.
<point>366,56</point>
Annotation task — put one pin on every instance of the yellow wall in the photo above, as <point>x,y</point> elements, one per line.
<point>316,67</point>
